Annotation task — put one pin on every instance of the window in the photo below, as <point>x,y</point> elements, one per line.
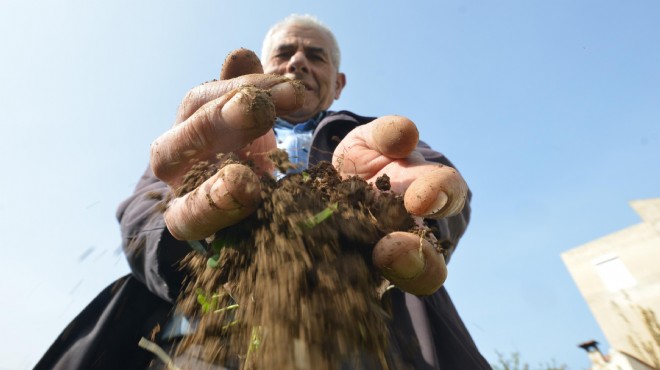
<point>614,273</point>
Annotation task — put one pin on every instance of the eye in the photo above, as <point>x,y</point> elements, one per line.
<point>283,55</point>
<point>316,57</point>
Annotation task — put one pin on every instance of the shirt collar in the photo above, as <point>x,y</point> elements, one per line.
<point>309,125</point>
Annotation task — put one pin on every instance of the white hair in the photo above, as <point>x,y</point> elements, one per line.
<point>304,20</point>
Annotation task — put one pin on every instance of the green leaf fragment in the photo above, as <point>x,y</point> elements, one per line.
<point>208,305</point>
<point>230,307</point>
<point>321,216</point>
<point>225,327</point>
<point>212,262</point>
<point>255,340</point>
<point>216,246</point>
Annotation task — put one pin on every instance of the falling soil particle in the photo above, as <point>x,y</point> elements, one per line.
<point>195,177</point>
<point>293,285</point>
<point>280,159</point>
<point>383,183</point>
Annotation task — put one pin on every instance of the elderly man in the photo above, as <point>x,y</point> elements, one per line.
<point>426,330</point>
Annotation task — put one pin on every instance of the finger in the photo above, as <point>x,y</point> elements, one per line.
<point>368,149</point>
<point>392,136</point>
<point>410,262</point>
<point>240,62</point>
<point>288,95</point>
<point>438,193</point>
<point>243,62</point>
<point>220,126</point>
<point>387,146</point>
<point>430,189</point>
<point>226,198</point>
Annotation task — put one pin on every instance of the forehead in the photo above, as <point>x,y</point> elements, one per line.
<point>300,36</point>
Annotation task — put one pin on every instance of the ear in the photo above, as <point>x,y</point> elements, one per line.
<point>340,82</point>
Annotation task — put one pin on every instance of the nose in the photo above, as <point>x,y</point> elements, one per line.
<point>298,63</point>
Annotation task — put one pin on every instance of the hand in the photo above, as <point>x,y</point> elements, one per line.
<point>233,115</point>
<point>431,190</point>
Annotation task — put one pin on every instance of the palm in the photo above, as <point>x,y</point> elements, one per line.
<point>387,146</point>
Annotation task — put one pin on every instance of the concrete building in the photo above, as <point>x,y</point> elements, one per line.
<point>619,277</point>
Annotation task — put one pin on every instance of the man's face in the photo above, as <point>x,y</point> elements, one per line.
<point>303,53</point>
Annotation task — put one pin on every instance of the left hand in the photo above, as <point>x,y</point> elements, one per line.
<point>431,190</point>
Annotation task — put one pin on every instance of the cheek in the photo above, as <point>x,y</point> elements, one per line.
<point>327,88</point>
<point>311,98</point>
<point>327,94</point>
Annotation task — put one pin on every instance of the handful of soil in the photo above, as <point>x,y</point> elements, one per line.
<point>293,286</point>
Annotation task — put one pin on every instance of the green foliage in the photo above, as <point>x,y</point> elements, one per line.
<point>255,343</point>
<point>212,262</point>
<point>255,340</point>
<point>515,363</point>
<point>230,307</point>
<point>652,346</point>
<point>209,304</point>
<point>512,363</point>
<point>216,246</point>
<point>648,346</point>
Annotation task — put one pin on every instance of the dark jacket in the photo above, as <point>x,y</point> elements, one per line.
<point>427,332</point>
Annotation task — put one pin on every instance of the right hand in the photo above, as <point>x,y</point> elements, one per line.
<point>232,115</point>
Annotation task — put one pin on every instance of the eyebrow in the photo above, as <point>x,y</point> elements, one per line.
<point>308,49</point>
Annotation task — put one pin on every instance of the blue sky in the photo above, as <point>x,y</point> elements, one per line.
<point>550,109</point>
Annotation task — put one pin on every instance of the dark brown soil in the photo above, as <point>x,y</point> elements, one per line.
<point>292,289</point>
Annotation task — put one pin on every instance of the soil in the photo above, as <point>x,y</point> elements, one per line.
<point>293,285</point>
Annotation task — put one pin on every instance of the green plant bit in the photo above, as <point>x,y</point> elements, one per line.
<point>208,305</point>
<point>321,216</point>
<point>255,342</point>
<point>230,307</point>
<point>216,246</point>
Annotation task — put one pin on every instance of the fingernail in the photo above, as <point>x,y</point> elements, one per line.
<point>439,203</point>
<point>288,96</point>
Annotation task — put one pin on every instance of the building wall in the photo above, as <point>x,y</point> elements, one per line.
<point>617,275</point>
<point>620,361</point>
